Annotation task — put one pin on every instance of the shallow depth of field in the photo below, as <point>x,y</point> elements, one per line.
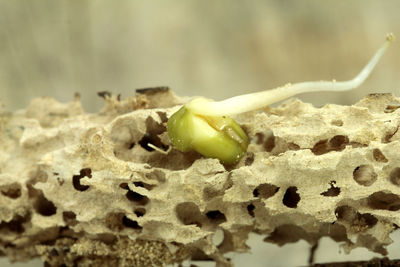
<point>215,49</point>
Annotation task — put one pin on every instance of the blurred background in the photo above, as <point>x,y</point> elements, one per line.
<point>212,48</point>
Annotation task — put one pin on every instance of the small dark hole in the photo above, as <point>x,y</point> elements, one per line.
<point>256,193</point>
<point>216,216</point>
<point>44,207</point>
<point>69,218</point>
<point>259,138</point>
<point>136,197</point>
<point>249,159</point>
<point>15,225</point>
<point>358,221</point>
<point>394,176</point>
<point>333,191</point>
<point>368,219</point>
<point>188,213</point>
<point>378,156</point>
<point>338,142</point>
<point>346,213</point>
<point>291,197</point>
<point>320,147</point>
<point>152,139</point>
<point>54,252</point>
<point>104,94</point>
<point>389,135</point>
<point>152,90</point>
<point>12,190</point>
<point>124,186</point>
<point>77,184</point>
<point>265,190</point>
<point>384,201</point>
<point>114,221</point>
<point>131,145</point>
<point>338,123</point>
<point>144,142</point>
<point>86,172</point>
<point>41,204</point>
<point>391,108</point>
<point>139,212</point>
<point>269,144</point>
<point>138,184</point>
<point>365,175</point>
<point>130,223</point>
<point>250,209</point>
<point>108,239</point>
<point>293,146</point>
<point>60,181</point>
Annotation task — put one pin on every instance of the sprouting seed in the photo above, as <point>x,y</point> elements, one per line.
<point>203,125</point>
<point>212,136</point>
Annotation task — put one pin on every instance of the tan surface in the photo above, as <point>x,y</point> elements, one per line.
<point>76,184</point>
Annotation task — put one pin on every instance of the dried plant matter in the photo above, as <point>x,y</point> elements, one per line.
<point>87,189</point>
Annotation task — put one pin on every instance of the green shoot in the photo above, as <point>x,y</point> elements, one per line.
<point>204,125</point>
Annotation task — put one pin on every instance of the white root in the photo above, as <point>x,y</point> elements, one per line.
<point>248,102</point>
<point>159,149</point>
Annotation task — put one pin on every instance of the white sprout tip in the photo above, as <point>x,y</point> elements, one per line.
<point>159,149</point>
<point>390,37</point>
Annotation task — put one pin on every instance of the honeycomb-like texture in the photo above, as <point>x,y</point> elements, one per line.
<point>87,189</point>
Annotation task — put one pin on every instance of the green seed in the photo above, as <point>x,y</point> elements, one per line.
<point>212,136</point>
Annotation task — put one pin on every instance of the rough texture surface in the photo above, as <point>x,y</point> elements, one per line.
<point>385,262</point>
<point>86,189</point>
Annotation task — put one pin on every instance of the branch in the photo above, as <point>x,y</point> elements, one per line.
<point>90,189</point>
